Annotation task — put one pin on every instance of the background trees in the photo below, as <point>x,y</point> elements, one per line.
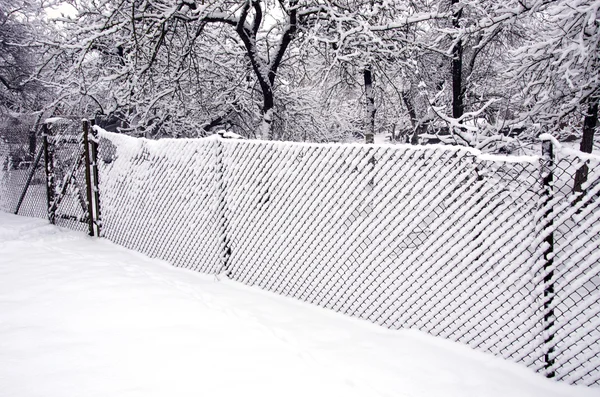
<point>477,73</point>
<point>19,51</point>
<point>558,68</point>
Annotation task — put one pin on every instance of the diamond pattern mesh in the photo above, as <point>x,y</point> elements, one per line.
<point>500,254</point>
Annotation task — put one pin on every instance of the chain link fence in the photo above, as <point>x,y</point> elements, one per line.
<point>426,238</point>
<point>68,201</point>
<point>440,239</point>
<point>499,253</point>
<point>22,175</point>
<point>575,270</point>
<point>43,174</point>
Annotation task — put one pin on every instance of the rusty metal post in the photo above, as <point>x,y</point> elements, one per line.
<point>222,208</point>
<point>95,178</point>
<point>49,167</point>
<point>88,177</point>
<point>549,316</point>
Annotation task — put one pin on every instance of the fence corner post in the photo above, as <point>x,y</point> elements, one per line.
<point>95,177</point>
<point>49,168</point>
<point>88,176</point>
<point>547,206</point>
<point>222,208</point>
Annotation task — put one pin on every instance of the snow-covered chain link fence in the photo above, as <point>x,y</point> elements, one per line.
<point>68,202</point>
<point>440,239</point>
<point>575,228</point>
<point>494,252</point>
<point>24,184</point>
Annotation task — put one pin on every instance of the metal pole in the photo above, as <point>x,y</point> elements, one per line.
<point>222,209</point>
<point>88,177</point>
<point>95,179</point>
<point>49,167</point>
<point>549,317</point>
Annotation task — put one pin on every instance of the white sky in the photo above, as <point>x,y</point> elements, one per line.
<point>62,9</point>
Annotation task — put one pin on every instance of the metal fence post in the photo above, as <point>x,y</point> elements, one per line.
<point>88,177</point>
<point>95,179</point>
<point>549,316</point>
<point>222,208</point>
<point>49,167</point>
<point>34,167</point>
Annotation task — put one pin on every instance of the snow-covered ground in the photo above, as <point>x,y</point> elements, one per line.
<point>84,317</point>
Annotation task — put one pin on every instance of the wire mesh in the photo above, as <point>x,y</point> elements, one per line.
<point>162,199</point>
<point>69,183</point>
<point>22,175</point>
<point>425,238</point>
<point>576,267</point>
<point>24,185</point>
<point>500,254</point>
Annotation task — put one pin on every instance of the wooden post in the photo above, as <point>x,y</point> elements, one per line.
<point>549,317</point>
<point>49,167</point>
<point>88,177</point>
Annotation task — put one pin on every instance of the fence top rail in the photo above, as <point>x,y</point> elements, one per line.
<point>63,120</point>
<point>560,148</point>
<point>129,140</point>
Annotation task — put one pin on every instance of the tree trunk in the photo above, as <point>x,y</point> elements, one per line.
<point>266,128</point>
<point>457,66</point>
<point>370,133</point>
<point>32,143</point>
<point>414,138</point>
<point>410,108</point>
<point>587,142</point>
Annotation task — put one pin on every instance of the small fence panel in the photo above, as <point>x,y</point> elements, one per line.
<point>68,204</point>
<point>493,252</point>
<point>51,174</point>
<point>426,238</point>
<point>163,199</point>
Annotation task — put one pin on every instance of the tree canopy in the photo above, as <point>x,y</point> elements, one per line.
<point>486,74</point>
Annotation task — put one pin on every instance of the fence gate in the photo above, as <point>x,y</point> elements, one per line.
<point>72,192</point>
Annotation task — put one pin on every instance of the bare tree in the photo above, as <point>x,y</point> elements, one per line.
<point>558,69</point>
<point>18,24</point>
